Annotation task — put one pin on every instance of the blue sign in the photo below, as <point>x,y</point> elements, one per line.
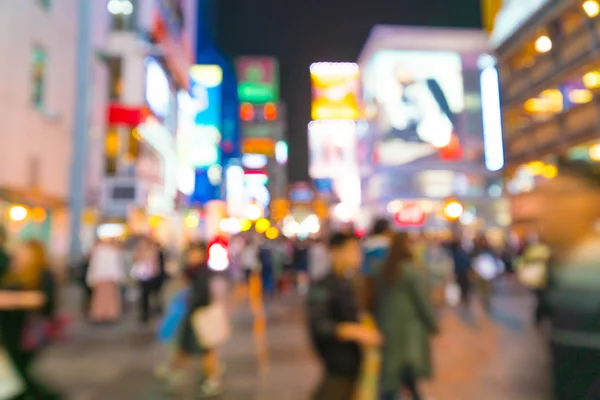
<point>323,186</point>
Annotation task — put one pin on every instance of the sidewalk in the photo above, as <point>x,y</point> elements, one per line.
<point>497,357</point>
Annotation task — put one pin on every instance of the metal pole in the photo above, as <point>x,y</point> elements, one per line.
<point>81,126</point>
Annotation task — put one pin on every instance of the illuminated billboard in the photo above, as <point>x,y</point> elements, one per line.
<point>199,128</point>
<point>332,148</point>
<point>416,96</point>
<point>259,146</point>
<point>258,79</point>
<point>335,91</point>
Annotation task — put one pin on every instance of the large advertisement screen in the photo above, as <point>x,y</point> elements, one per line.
<point>332,147</point>
<point>335,91</point>
<point>413,98</point>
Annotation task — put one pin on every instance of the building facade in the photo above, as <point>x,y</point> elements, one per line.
<point>549,84</point>
<point>37,111</point>
<point>424,138</point>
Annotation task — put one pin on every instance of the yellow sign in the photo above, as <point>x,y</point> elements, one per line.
<point>259,146</point>
<point>335,91</point>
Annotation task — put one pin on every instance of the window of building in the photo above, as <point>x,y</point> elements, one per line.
<point>45,4</point>
<point>123,14</point>
<point>38,77</point>
<point>115,79</point>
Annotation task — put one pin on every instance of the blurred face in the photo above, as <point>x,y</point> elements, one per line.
<point>348,257</point>
<point>196,257</point>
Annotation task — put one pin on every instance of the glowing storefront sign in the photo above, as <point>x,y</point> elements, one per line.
<point>335,88</point>
<point>492,119</point>
<point>281,152</point>
<point>254,161</point>
<point>258,79</point>
<point>158,88</point>
<point>332,147</point>
<point>417,95</point>
<point>199,139</point>
<point>161,199</point>
<point>234,179</point>
<point>259,146</point>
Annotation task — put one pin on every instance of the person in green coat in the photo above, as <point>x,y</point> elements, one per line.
<point>406,320</point>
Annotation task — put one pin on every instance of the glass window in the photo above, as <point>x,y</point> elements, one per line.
<point>38,77</point>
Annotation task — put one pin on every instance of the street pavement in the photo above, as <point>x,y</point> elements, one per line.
<point>495,357</point>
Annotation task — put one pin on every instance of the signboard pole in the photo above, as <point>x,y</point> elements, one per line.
<point>81,126</point>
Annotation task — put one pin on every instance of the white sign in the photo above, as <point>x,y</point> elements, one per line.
<point>158,89</point>
<point>511,17</point>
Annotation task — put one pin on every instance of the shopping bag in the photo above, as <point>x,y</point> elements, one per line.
<point>10,383</point>
<point>368,385</point>
<point>211,325</point>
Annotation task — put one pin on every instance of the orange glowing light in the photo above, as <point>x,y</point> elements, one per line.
<point>38,214</point>
<point>270,112</point>
<point>335,94</point>
<point>247,112</point>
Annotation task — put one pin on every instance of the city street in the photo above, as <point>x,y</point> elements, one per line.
<point>495,358</point>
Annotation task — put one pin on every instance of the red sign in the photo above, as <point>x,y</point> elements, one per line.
<point>411,215</point>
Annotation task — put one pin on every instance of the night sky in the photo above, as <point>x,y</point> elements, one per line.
<point>300,32</point>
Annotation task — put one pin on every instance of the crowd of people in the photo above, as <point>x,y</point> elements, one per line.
<point>400,280</point>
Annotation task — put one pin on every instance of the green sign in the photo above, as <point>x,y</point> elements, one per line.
<point>258,79</point>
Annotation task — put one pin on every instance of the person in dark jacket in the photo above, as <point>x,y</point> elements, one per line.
<point>333,321</point>
<point>27,294</point>
<point>462,270</point>
<point>188,346</point>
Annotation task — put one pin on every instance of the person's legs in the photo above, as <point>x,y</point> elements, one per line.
<point>144,302</point>
<point>335,388</point>
<point>409,381</point>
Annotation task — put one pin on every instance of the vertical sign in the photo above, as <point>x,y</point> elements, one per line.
<point>258,79</point>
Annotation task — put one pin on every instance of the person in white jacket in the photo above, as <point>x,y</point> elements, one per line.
<point>105,276</point>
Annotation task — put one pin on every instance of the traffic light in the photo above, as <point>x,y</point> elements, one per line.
<point>280,208</point>
<point>321,209</point>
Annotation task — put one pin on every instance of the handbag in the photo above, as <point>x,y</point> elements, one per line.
<point>11,384</point>
<point>211,325</point>
<point>368,384</point>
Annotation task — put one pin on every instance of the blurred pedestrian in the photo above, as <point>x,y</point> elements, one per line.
<point>461,260</point>
<point>267,270</point>
<point>188,344</point>
<point>105,276</point>
<point>146,271</point>
<point>569,221</point>
<point>487,266</point>
<point>532,270</point>
<point>319,263</point>
<point>27,309</point>
<point>301,264</point>
<point>406,319</point>
<point>333,320</point>
<point>376,247</point>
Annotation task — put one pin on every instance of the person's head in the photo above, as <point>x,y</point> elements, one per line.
<point>381,227</point>
<point>400,251</point>
<point>345,251</point>
<point>196,254</point>
<point>27,264</point>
